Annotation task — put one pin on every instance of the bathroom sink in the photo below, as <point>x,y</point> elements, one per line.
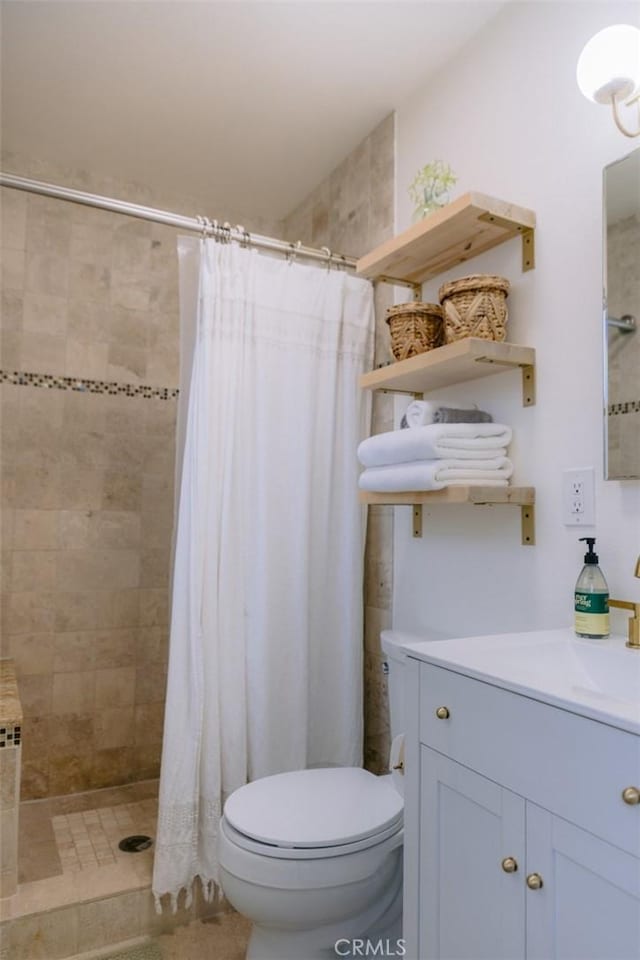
<point>597,678</point>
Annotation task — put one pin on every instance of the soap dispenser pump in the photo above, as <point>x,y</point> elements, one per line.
<point>591,597</point>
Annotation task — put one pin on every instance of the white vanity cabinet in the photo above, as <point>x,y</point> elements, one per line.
<point>518,841</point>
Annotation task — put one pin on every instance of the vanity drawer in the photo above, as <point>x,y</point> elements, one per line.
<point>571,765</point>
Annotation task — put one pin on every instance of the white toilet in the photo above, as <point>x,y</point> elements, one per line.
<point>314,857</point>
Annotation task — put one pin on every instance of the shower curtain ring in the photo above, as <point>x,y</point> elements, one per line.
<point>293,250</point>
<point>329,256</point>
<point>245,240</point>
<point>227,231</point>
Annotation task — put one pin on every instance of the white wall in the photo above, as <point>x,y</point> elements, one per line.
<point>509,118</point>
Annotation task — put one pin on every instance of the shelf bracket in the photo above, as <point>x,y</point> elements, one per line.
<point>528,249</point>
<point>417,519</point>
<point>528,385</point>
<point>528,517</point>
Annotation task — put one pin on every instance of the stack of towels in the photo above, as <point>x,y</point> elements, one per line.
<point>441,447</point>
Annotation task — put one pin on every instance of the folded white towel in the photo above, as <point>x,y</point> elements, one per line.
<point>436,474</point>
<point>464,441</point>
<point>420,413</point>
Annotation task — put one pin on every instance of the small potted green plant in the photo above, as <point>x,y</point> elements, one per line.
<point>430,187</point>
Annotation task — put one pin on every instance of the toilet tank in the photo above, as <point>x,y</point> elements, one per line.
<point>395,645</point>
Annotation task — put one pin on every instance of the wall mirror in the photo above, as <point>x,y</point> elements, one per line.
<point>622,318</point>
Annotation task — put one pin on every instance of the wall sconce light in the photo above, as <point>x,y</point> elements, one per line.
<point>609,70</point>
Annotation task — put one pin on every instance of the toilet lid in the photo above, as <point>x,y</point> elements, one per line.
<point>315,808</point>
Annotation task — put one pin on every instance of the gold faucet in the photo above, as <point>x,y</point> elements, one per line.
<point>634,622</point>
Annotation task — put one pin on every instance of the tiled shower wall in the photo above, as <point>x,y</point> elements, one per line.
<point>89,302</point>
<point>90,310</point>
<point>623,415</point>
<point>351,212</point>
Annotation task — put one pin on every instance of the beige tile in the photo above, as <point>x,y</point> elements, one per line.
<point>126,364</point>
<point>32,652</point>
<point>45,314</point>
<point>36,694</point>
<point>110,767</point>
<point>82,486</point>
<point>130,290</point>
<point>8,782</point>
<point>75,610</point>
<point>47,273</point>
<point>34,780</point>
<point>29,612</point>
<point>49,233</point>
<point>91,243</point>
<point>35,738</point>
<point>113,727</point>
<point>71,733</point>
<point>35,530</point>
<point>149,720</point>
<point>151,682</point>
<point>42,353</point>
<point>41,407</point>
<point>92,569</point>
<point>155,568</point>
<point>120,491</point>
<point>114,648</point>
<point>74,651</point>
<point>74,692</point>
<point>88,321</point>
<point>12,310</point>
<point>13,264</point>
<point>11,348</point>
<point>123,608</point>
<point>13,222</point>
<point>86,360</point>
<point>152,645</point>
<point>33,570</point>
<point>70,774</point>
<point>89,281</point>
<point>115,686</point>
<point>154,608</point>
<point>33,487</point>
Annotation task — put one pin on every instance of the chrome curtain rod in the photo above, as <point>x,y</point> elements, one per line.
<point>202,225</point>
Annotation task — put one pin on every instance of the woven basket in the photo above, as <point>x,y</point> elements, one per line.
<point>475,306</point>
<point>415,328</point>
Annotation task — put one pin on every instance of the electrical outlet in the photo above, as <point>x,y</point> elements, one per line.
<point>578,497</point>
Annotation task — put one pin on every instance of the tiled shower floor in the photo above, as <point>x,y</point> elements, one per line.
<point>79,893</point>
<point>81,832</point>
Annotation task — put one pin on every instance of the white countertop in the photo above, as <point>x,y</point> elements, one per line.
<point>599,679</point>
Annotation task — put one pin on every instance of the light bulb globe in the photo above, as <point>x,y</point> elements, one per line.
<point>609,65</point>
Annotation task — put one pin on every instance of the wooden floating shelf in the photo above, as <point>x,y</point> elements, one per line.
<point>458,362</point>
<point>457,232</point>
<point>519,496</point>
<point>523,497</point>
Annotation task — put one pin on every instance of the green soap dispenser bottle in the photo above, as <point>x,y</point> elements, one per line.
<point>591,597</point>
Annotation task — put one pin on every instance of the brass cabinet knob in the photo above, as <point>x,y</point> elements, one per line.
<point>509,865</point>
<point>442,713</point>
<point>534,881</point>
<point>631,795</point>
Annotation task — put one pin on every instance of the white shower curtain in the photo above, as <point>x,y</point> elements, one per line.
<point>265,656</point>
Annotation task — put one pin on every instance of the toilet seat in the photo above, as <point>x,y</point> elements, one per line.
<point>315,813</point>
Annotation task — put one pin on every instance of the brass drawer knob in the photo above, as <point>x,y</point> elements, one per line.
<point>534,881</point>
<point>442,713</point>
<point>509,865</point>
<point>631,795</point>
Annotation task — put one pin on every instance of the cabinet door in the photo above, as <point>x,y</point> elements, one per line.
<point>588,907</point>
<point>471,909</point>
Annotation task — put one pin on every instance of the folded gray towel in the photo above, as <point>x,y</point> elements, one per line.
<point>453,415</point>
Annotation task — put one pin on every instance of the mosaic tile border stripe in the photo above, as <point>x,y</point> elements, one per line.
<point>10,735</point>
<point>82,385</point>
<point>630,406</point>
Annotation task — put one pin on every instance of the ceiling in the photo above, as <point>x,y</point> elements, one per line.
<point>245,106</point>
